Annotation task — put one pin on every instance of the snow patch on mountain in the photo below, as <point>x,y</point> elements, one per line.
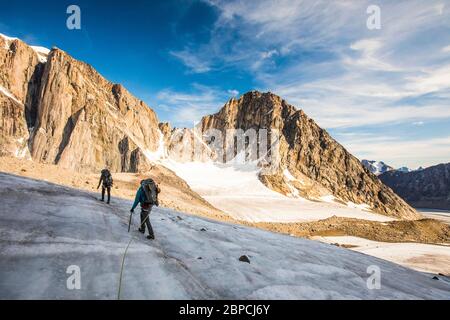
<point>407,170</point>
<point>289,175</point>
<point>236,190</point>
<point>328,198</point>
<point>41,52</point>
<point>159,154</point>
<point>8,93</point>
<point>376,167</point>
<point>22,152</point>
<point>412,255</point>
<point>363,206</point>
<point>7,40</point>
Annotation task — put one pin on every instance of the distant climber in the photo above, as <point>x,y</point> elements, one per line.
<point>147,197</point>
<point>106,181</point>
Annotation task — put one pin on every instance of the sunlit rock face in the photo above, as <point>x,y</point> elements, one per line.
<point>62,111</point>
<point>20,73</point>
<point>310,163</point>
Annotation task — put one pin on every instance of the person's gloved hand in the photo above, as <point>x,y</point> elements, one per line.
<point>132,210</point>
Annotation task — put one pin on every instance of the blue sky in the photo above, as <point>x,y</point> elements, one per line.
<point>384,94</point>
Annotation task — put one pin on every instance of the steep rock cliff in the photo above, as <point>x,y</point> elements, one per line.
<point>311,163</point>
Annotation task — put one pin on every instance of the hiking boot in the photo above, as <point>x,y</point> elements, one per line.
<point>141,230</point>
<point>151,237</point>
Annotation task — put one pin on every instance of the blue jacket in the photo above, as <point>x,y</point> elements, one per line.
<point>140,198</point>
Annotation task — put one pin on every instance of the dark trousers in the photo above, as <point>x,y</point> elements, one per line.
<point>103,193</point>
<point>145,220</point>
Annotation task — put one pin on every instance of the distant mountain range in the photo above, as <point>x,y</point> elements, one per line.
<point>376,167</point>
<point>426,188</point>
<point>406,169</point>
<point>379,167</point>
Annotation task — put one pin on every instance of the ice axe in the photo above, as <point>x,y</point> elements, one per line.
<point>131,216</point>
<point>129,223</point>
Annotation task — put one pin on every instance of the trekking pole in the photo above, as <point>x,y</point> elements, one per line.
<point>129,223</point>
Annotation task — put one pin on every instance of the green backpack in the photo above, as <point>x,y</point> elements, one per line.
<point>150,191</point>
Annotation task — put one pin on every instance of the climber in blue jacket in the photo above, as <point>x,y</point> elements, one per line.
<point>147,197</point>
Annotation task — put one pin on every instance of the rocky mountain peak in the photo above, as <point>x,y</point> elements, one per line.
<point>60,110</point>
<point>252,110</point>
<point>312,164</point>
<point>21,69</point>
<point>376,167</point>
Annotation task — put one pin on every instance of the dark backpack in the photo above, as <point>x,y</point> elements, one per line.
<point>107,178</point>
<point>150,191</point>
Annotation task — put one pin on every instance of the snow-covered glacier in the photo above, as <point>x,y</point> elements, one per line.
<point>46,228</point>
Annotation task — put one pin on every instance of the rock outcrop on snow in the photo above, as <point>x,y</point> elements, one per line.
<point>426,188</point>
<point>69,115</point>
<point>311,163</point>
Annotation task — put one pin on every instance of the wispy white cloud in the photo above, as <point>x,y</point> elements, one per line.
<point>412,153</point>
<point>352,101</point>
<point>186,108</point>
<point>370,56</point>
<point>430,80</point>
<point>320,56</point>
<point>193,62</point>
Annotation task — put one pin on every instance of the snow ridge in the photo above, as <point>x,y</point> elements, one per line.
<point>42,52</point>
<point>8,93</point>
